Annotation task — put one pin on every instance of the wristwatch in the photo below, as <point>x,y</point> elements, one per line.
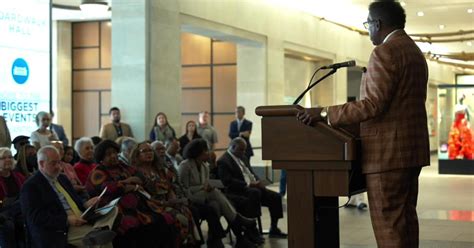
<point>324,113</point>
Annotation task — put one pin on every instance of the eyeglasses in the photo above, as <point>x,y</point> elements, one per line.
<point>367,23</point>
<point>9,157</point>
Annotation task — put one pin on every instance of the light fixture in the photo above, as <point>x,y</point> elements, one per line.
<point>420,13</point>
<point>441,26</point>
<point>94,6</point>
<point>469,11</point>
<point>469,43</point>
<point>402,3</point>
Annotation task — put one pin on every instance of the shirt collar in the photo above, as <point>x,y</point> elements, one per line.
<point>50,179</point>
<point>390,35</point>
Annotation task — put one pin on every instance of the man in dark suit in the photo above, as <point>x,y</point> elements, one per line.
<point>59,130</point>
<point>393,125</point>
<point>241,127</point>
<point>52,209</point>
<point>237,175</point>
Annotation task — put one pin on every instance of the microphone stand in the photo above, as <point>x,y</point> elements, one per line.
<point>333,70</point>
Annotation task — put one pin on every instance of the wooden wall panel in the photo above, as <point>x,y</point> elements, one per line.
<point>195,101</point>
<point>196,76</point>
<point>85,58</point>
<point>224,52</point>
<point>105,102</point>
<point>85,114</point>
<point>105,45</point>
<point>225,88</point>
<point>195,49</point>
<point>92,80</point>
<point>221,123</point>
<point>85,34</point>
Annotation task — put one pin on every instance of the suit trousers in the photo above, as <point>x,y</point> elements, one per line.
<point>262,197</point>
<point>392,205</point>
<point>217,200</point>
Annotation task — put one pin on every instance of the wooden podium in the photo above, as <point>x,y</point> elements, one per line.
<point>322,164</point>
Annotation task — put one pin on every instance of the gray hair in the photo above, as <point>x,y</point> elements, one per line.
<point>236,141</point>
<point>127,144</point>
<point>43,152</point>
<point>40,116</point>
<point>80,143</point>
<point>155,143</point>
<point>4,150</point>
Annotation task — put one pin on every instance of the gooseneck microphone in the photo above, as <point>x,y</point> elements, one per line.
<point>333,68</point>
<point>349,63</point>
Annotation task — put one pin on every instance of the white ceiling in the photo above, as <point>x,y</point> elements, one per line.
<point>452,14</point>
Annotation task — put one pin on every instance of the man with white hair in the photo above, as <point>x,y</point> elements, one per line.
<point>53,210</point>
<point>126,150</point>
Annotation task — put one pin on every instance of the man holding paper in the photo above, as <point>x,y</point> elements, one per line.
<point>237,175</point>
<point>53,210</point>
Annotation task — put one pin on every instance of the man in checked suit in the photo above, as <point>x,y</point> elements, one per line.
<point>393,125</point>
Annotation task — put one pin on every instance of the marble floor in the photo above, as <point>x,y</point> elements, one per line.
<point>445,209</point>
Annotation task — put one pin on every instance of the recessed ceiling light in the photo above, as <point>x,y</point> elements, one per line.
<point>420,13</point>
<point>441,26</point>
<point>469,43</point>
<point>402,3</point>
<point>469,11</point>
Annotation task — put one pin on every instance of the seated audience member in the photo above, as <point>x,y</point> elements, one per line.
<point>96,140</point>
<point>43,135</point>
<point>68,155</point>
<point>191,133</point>
<point>194,176</point>
<point>59,130</point>
<point>140,222</point>
<point>11,220</point>
<point>85,149</point>
<point>5,138</point>
<point>115,129</point>
<point>52,209</point>
<point>239,178</point>
<point>200,211</point>
<point>18,142</point>
<point>159,182</point>
<point>161,129</point>
<point>126,150</point>
<point>172,155</point>
<point>70,173</point>
<point>159,148</point>
<point>27,163</point>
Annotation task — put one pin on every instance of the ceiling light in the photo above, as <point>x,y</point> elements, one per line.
<point>469,43</point>
<point>420,13</point>
<point>441,26</point>
<point>402,3</point>
<point>92,7</point>
<point>469,11</point>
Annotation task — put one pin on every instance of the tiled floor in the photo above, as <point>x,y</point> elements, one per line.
<point>445,209</point>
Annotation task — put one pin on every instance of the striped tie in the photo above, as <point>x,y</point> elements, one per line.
<point>70,201</point>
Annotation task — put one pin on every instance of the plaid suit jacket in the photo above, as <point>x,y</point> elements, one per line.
<point>391,112</point>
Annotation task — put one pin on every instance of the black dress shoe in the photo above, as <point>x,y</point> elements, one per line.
<point>243,242</point>
<point>99,237</point>
<point>277,233</point>
<point>362,206</point>
<point>253,235</point>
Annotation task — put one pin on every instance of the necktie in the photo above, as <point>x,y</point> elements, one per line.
<point>75,209</point>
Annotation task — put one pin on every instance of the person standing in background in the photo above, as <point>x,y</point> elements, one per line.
<point>43,135</point>
<point>206,130</point>
<point>241,127</point>
<point>5,139</point>
<point>112,131</point>
<point>59,130</point>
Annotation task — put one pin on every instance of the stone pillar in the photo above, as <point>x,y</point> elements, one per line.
<point>146,62</point>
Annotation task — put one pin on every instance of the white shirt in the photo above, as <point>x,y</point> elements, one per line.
<point>248,176</point>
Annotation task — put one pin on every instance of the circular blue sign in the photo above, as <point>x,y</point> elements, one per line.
<point>20,71</point>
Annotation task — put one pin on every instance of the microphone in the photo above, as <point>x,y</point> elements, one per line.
<point>336,66</point>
